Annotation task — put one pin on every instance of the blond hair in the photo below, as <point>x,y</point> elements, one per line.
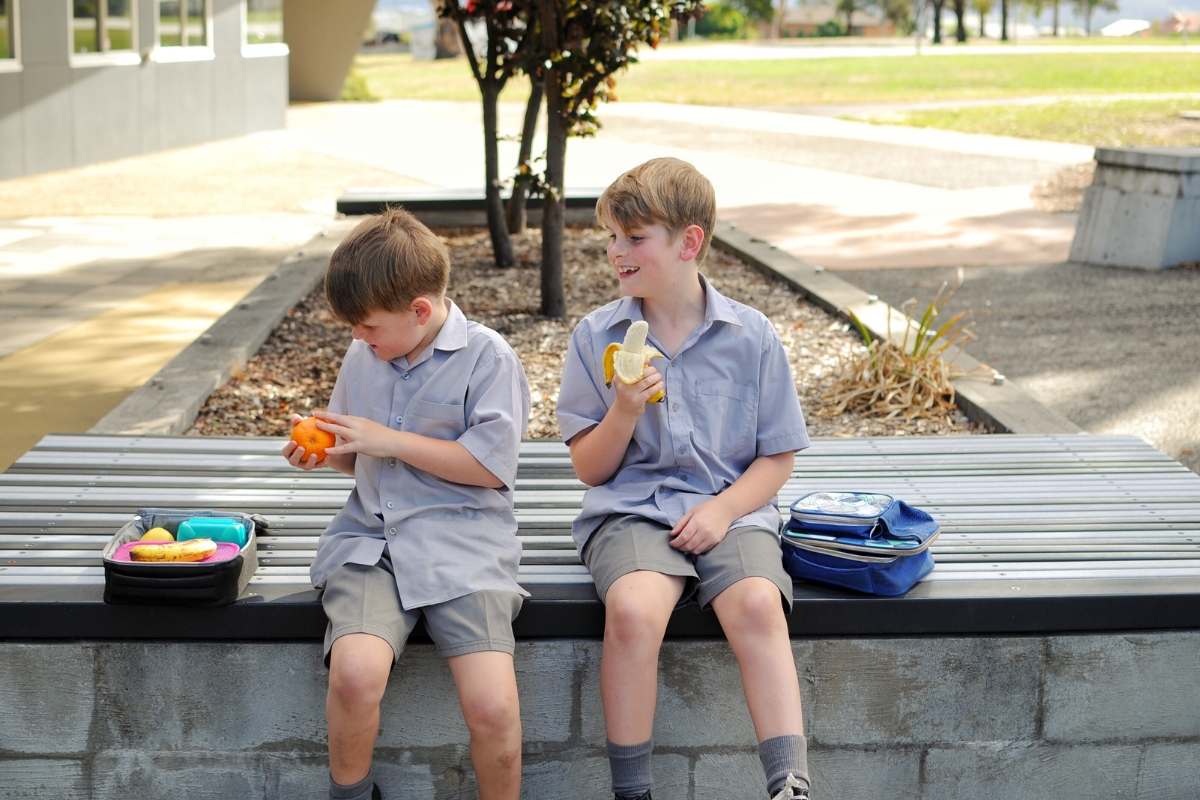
<point>663,191</point>
<point>386,262</point>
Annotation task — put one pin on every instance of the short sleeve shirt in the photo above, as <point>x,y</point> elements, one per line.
<point>445,539</point>
<point>730,398</point>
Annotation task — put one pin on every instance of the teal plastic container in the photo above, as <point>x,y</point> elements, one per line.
<point>219,529</point>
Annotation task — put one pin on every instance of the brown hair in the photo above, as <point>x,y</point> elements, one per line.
<point>383,265</point>
<point>663,191</point>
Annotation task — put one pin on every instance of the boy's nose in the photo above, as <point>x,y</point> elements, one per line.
<point>357,332</point>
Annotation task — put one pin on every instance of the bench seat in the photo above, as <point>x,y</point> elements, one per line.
<point>1039,534</point>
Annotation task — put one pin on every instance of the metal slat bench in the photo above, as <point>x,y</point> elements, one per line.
<point>1039,534</point>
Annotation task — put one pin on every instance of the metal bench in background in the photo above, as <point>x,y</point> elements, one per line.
<point>1039,534</point>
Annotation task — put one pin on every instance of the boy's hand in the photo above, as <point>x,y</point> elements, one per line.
<point>702,528</point>
<point>357,435</point>
<point>294,453</point>
<point>632,397</point>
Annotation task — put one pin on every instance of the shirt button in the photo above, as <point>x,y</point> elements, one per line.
<point>391,462</point>
<point>392,531</point>
<point>683,478</point>
<point>399,419</point>
<point>673,362</point>
<point>391,504</point>
<point>675,406</point>
<point>404,376</point>
<point>682,450</point>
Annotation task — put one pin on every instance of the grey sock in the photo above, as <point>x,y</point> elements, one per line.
<point>783,754</point>
<point>630,765</point>
<point>358,791</point>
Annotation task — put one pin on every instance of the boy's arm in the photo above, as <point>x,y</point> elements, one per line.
<point>441,458</point>
<point>705,525</point>
<point>597,452</point>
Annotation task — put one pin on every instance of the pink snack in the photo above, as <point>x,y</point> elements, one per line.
<point>225,551</point>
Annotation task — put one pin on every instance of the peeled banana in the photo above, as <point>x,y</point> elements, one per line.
<point>627,360</point>
<point>191,550</point>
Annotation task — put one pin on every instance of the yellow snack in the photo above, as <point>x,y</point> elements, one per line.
<point>628,360</point>
<point>191,550</point>
<point>157,535</point>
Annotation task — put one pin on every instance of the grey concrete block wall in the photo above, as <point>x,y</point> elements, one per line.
<point>56,113</point>
<point>932,718</point>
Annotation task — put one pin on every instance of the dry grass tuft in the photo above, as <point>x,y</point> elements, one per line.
<point>905,381</point>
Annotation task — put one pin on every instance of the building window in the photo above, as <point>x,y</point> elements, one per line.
<point>183,23</point>
<point>264,21</point>
<point>102,26</point>
<point>8,29</point>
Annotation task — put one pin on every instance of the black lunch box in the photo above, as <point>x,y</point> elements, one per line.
<point>179,583</point>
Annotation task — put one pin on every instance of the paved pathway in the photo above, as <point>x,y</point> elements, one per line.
<point>847,195</point>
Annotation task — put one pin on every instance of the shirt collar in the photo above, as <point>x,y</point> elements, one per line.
<point>717,308</point>
<point>452,336</point>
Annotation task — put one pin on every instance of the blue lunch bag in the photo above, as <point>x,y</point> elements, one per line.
<point>871,543</point>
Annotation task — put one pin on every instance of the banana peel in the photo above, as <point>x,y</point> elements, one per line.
<point>190,550</point>
<point>628,360</point>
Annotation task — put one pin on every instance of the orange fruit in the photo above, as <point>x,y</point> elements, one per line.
<point>312,439</point>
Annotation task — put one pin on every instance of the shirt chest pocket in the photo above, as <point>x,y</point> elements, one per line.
<point>435,420</point>
<point>726,415</point>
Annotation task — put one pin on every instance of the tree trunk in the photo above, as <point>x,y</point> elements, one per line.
<point>982,26</point>
<point>1056,17</point>
<point>1004,20</point>
<point>937,20</point>
<point>514,214</point>
<point>960,11</point>
<point>554,203</point>
<point>501,246</point>
<point>446,43</point>
<point>554,302</point>
<point>777,20</point>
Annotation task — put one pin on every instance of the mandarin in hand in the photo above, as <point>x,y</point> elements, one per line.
<point>314,440</point>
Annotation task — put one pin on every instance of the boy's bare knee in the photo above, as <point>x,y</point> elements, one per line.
<point>752,605</point>
<point>494,718</point>
<point>357,679</point>
<point>628,622</point>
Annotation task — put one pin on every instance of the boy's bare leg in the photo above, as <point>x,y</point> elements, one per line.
<point>487,690</point>
<point>359,664</point>
<point>637,608</point>
<point>752,617</point>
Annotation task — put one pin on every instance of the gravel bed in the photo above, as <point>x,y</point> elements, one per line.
<point>296,367</point>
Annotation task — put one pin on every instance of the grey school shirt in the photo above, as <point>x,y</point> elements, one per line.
<point>445,539</point>
<point>730,398</point>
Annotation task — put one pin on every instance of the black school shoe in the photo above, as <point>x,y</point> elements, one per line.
<point>645,796</point>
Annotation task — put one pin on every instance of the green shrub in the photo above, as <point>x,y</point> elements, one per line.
<point>722,21</point>
<point>356,89</point>
<point>832,27</point>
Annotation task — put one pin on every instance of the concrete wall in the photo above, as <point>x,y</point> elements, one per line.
<point>56,112</point>
<point>1087,716</point>
<point>1142,209</point>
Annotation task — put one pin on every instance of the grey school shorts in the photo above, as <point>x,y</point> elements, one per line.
<point>625,543</point>
<point>362,599</point>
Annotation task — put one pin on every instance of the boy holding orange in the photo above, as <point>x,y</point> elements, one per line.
<point>428,411</point>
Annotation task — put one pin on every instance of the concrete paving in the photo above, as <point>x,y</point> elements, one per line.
<point>846,195</point>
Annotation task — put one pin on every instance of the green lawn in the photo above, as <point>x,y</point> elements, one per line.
<point>830,80</point>
<point>1101,124</point>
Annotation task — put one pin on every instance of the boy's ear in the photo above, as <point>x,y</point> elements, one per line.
<point>422,306</point>
<point>692,239</point>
